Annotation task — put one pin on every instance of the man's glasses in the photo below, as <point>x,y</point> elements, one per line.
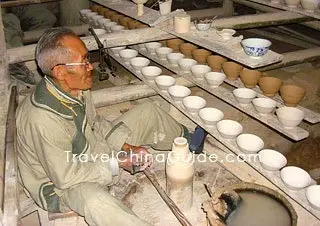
<point>86,63</point>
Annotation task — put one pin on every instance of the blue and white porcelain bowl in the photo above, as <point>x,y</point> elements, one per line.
<point>255,47</point>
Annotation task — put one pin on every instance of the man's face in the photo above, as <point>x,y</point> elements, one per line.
<point>77,77</point>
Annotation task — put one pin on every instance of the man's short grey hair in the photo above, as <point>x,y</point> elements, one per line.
<point>50,51</point>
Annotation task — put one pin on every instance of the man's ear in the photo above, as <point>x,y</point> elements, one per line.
<point>58,72</point>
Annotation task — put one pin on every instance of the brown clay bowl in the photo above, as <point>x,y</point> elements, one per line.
<point>215,62</point>
<point>132,24</point>
<point>292,94</point>
<point>187,48</point>
<point>101,10</point>
<point>201,55</point>
<point>124,21</point>
<point>270,85</point>
<point>232,69</point>
<point>174,44</point>
<point>250,78</point>
<point>95,8</point>
<point>141,25</point>
<point>116,18</point>
<point>163,43</point>
<point>110,13</point>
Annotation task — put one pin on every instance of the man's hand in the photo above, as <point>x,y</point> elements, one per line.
<point>137,159</point>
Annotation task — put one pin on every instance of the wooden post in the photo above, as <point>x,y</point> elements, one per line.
<point>69,11</point>
<point>23,2</point>
<point>4,78</point>
<point>227,7</point>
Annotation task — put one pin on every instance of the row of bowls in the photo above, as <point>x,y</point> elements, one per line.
<point>293,177</point>
<point>307,5</point>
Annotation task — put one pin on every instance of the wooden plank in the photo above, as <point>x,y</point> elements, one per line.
<point>283,6</point>
<point>273,177</point>
<point>212,41</point>
<point>4,78</point>
<point>23,2</point>
<point>11,194</point>
<point>259,20</point>
<point>228,97</point>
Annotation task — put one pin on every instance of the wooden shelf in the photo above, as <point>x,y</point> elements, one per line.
<point>310,116</point>
<point>283,5</point>
<point>211,41</point>
<point>224,94</point>
<point>274,177</point>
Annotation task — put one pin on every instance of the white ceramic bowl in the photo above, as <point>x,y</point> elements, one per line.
<point>142,47</point>
<point>127,54</point>
<point>139,62</point>
<point>165,81</point>
<point>152,46</point>
<point>255,47</point>
<point>185,64</point>
<point>200,70</point>
<point>99,31</point>
<point>292,3</point>
<point>96,20</point>
<point>313,196</point>
<point>229,129</point>
<point>289,117</point>
<point>173,58</point>
<point>193,104</point>
<point>215,79</point>
<point>249,143</point>
<point>90,15</point>
<point>295,178</point>
<point>84,12</point>
<point>309,5</point>
<point>272,160</point>
<point>151,72</point>
<point>117,28</point>
<point>210,116</point>
<point>116,50</point>
<point>162,52</point>
<point>264,105</point>
<point>226,34</point>
<point>178,92</point>
<point>103,21</point>
<point>109,25</point>
<point>244,95</point>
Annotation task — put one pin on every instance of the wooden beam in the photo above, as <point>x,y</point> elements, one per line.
<point>263,8</point>
<point>23,2</point>
<point>293,58</point>
<point>228,7</point>
<point>205,13</point>
<point>4,78</point>
<point>260,20</point>
<point>127,37</point>
<point>34,36</point>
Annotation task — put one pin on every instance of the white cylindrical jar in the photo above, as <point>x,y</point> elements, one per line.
<point>182,23</point>
<point>180,172</point>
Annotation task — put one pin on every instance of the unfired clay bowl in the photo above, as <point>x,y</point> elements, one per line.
<point>186,64</point>
<point>272,160</point>
<point>200,70</point>
<point>269,85</point>
<point>165,81</point>
<point>152,46</point>
<point>313,196</point>
<point>264,105</point>
<point>215,62</point>
<point>174,44</point>
<point>174,58</point>
<point>116,50</point>
<point>229,129</point>
<point>250,78</point>
<point>178,92</point>
<point>193,104</point>
<point>162,52</point>
<point>210,116</point>
<point>187,48</point>
<point>249,143</point>
<point>232,69</point>
<point>295,178</point>
<point>292,94</point>
<point>201,55</point>
<point>127,54</point>
<point>151,72</point>
<point>139,62</point>
<point>289,117</point>
<point>244,95</point>
<point>215,79</point>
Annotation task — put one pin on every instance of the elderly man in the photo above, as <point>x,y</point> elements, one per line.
<point>57,129</point>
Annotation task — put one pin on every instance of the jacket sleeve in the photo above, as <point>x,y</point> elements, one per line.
<point>52,143</point>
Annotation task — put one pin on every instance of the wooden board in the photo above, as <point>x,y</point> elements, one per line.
<point>227,96</point>
<point>282,5</point>
<point>273,177</point>
<point>212,41</point>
